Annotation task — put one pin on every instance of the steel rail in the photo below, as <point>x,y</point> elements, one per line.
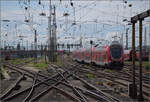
<point>47,90</point>
<point>12,88</point>
<point>29,88</point>
<point>90,93</point>
<point>123,84</point>
<point>145,81</point>
<point>27,74</point>
<point>67,94</point>
<point>50,88</point>
<point>75,90</point>
<point>108,97</point>
<point>109,77</point>
<point>123,78</point>
<point>87,92</point>
<point>32,89</point>
<point>137,75</point>
<point>31,72</point>
<point>83,91</point>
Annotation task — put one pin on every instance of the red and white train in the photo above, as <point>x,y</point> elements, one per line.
<point>145,54</point>
<point>111,56</point>
<point>128,55</point>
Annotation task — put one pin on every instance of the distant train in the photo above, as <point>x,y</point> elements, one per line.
<point>7,56</point>
<point>11,54</point>
<point>128,55</point>
<point>110,56</point>
<point>145,54</point>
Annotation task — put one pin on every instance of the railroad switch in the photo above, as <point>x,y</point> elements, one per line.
<point>17,87</point>
<point>24,78</point>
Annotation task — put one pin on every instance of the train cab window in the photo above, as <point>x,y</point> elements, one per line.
<point>116,51</point>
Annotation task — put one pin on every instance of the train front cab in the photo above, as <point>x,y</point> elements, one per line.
<point>116,59</point>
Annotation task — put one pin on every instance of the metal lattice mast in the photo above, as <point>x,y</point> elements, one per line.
<point>35,45</point>
<point>49,27</point>
<point>55,40</point>
<point>54,47</point>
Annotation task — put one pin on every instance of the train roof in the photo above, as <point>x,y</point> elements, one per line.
<point>104,45</point>
<point>115,43</point>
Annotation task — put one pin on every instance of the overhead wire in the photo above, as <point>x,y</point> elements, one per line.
<point>84,7</point>
<point>80,9</point>
<point>85,13</point>
<point>96,17</point>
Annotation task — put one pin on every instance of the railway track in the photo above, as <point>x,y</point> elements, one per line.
<point>146,76</point>
<point>65,75</point>
<point>42,85</point>
<point>85,71</point>
<point>29,74</point>
<point>91,86</point>
<point>113,77</point>
<point>125,77</point>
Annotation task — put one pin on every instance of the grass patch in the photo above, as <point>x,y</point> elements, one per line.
<point>108,70</point>
<point>100,83</point>
<point>41,65</point>
<point>89,75</point>
<point>29,64</point>
<point>2,71</point>
<point>59,62</point>
<point>111,84</point>
<point>90,65</point>
<point>145,64</point>
<point>19,60</point>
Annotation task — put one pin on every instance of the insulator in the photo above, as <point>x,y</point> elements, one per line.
<point>39,2</point>
<point>26,8</point>
<point>71,3</point>
<point>91,42</point>
<point>26,20</point>
<point>130,5</point>
<point>65,14</point>
<point>74,23</point>
<point>42,14</point>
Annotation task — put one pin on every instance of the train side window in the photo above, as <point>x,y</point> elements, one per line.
<point>101,57</point>
<point>105,55</point>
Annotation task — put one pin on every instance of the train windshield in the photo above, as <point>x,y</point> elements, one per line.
<point>116,51</point>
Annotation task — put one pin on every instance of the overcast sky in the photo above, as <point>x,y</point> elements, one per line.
<point>94,18</point>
